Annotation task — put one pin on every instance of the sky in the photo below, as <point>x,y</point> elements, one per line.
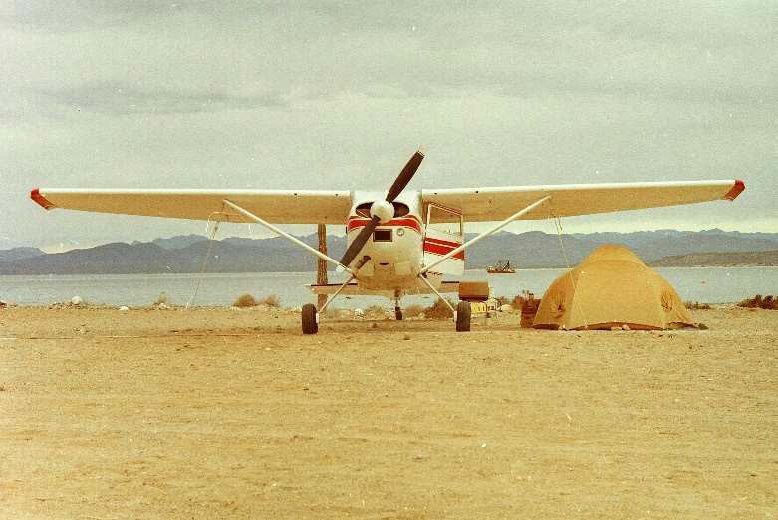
<point>338,95</point>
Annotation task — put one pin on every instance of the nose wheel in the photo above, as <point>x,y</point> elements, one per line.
<point>398,313</point>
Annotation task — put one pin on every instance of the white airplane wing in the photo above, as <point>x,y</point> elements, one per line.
<point>494,204</point>
<point>276,206</point>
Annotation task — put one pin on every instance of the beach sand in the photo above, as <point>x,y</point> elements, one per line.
<point>221,413</point>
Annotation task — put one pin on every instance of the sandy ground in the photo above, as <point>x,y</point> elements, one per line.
<point>217,413</point>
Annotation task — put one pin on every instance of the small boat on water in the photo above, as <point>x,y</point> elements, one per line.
<point>501,267</point>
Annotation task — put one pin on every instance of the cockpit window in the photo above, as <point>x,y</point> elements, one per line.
<point>400,209</point>
<point>363,210</point>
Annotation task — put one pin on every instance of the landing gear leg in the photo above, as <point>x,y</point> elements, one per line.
<point>398,312</point>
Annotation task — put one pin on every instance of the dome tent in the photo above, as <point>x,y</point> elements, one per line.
<point>610,288</point>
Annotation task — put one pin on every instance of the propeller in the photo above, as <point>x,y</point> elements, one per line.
<point>382,211</point>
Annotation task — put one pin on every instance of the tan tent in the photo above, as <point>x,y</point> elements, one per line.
<point>611,288</point>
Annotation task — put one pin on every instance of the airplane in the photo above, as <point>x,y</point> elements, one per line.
<point>401,241</point>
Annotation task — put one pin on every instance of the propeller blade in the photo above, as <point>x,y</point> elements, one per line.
<point>405,176</point>
<point>359,242</point>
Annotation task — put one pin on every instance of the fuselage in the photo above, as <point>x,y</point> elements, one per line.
<point>392,258</point>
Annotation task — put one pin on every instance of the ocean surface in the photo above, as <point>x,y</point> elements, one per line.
<point>703,284</point>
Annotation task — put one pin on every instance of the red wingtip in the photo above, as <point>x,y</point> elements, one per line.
<point>736,190</point>
<point>40,199</point>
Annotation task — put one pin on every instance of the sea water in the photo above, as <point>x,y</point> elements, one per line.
<point>702,284</point>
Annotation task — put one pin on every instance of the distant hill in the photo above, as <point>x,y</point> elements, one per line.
<point>179,242</point>
<point>653,245</point>
<point>19,253</point>
<point>720,259</point>
<point>537,249</point>
<point>185,254</point>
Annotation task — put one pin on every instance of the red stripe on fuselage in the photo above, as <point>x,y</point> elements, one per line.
<point>437,249</point>
<point>440,242</point>
<point>408,221</point>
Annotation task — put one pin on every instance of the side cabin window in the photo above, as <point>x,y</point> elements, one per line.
<point>442,220</point>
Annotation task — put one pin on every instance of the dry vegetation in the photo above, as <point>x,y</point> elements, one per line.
<point>759,302</point>
<point>438,310</point>
<point>518,302</point>
<point>332,312</point>
<point>697,305</point>
<point>247,300</point>
<point>413,310</point>
<point>375,311</point>
<point>522,301</point>
<point>271,300</point>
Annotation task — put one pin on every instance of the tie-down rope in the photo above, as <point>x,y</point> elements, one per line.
<point>211,239</point>
<point>558,226</point>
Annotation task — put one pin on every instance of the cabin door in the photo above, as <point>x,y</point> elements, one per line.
<point>443,233</point>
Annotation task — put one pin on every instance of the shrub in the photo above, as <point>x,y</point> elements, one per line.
<point>413,310</point>
<point>758,302</point>
<point>271,301</point>
<point>697,305</point>
<point>501,300</point>
<point>331,312</point>
<point>375,311</point>
<point>525,300</point>
<point>245,300</point>
<point>518,302</point>
<point>438,310</point>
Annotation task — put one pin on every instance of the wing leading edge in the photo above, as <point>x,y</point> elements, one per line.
<point>276,206</point>
<point>493,204</point>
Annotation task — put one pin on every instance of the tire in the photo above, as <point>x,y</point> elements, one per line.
<point>463,316</point>
<point>398,313</point>
<point>310,326</point>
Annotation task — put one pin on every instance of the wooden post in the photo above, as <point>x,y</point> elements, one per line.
<point>321,279</point>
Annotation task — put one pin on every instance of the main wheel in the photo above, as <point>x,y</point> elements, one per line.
<point>463,316</point>
<point>310,325</point>
<point>398,313</point>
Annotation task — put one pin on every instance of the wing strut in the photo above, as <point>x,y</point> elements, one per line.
<point>484,234</point>
<point>287,236</point>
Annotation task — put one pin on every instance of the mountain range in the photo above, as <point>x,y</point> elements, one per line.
<point>186,254</point>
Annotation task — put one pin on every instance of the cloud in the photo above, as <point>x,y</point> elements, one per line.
<point>115,98</point>
<point>84,15</point>
<point>310,94</point>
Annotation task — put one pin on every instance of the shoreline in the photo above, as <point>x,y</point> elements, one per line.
<point>701,284</point>
<point>295,273</point>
